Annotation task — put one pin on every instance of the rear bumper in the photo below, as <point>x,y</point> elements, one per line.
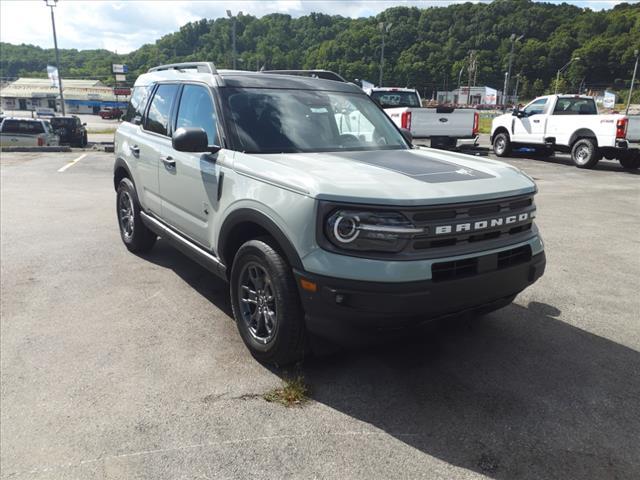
<point>341,308</point>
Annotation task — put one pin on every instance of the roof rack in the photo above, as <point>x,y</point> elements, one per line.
<point>202,67</point>
<point>324,74</point>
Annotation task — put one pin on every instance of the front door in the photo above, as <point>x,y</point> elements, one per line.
<point>530,127</point>
<point>189,181</point>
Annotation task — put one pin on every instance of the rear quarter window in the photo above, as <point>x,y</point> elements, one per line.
<point>137,104</point>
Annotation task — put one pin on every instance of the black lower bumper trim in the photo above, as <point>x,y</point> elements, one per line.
<point>342,306</point>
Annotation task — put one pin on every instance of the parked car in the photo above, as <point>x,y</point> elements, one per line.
<point>45,112</point>
<point>564,123</point>
<point>26,132</point>
<point>443,126</point>
<point>319,231</point>
<point>110,113</point>
<point>71,130</point>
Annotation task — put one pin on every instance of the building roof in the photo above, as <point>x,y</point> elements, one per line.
<point>73,89</point>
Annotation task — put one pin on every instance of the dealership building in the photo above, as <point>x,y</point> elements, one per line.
<point>80,96</point>
<point>471,96</point>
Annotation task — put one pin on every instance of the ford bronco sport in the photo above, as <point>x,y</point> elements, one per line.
<point>323,222</point>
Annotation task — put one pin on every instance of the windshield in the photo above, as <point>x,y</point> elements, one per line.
<point>396,99</point>
<point>285,121</point>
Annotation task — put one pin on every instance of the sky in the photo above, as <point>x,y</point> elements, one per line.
<point>123,26</point>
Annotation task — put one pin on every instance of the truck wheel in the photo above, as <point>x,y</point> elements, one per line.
<point>266,305</point>
<point>501,144</point>
<point>585,153</point>
<point>134,233</point>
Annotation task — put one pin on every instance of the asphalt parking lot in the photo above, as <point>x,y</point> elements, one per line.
<point>127,367</point>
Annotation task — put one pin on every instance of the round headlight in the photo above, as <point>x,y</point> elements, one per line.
<point>345,229</point>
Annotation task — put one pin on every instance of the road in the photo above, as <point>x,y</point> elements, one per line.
<point>129,367</point>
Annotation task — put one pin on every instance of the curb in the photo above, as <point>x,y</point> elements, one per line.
<point>35,149</point>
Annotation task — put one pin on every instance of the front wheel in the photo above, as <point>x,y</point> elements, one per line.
<point>501,144</point>
<point>585,153</point>
<point>134,233</point>
<point>266,304</point>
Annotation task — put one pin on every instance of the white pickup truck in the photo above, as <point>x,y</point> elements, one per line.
<point>443,126</point>
<point>565,123</point>
<point>27,132</point>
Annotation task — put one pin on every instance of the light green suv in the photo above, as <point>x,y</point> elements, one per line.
<point>315,207</point>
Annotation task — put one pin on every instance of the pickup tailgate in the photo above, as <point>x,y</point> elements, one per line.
<point>434,122</point>
<point>18,140</point>
<point>633,129</point>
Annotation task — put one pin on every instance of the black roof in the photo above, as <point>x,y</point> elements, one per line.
<point>294,82</point>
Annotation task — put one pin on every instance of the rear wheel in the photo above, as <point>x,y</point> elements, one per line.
<point>134,233</point>
<point>266,304</point>
<point>501,144</point>
<point>585,153</point>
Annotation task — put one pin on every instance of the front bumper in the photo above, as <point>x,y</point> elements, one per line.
<point>342,308</point>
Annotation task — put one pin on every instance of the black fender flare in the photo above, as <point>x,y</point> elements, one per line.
<point>121,163</point>
<point>582,133</point>
<point>248,215</point>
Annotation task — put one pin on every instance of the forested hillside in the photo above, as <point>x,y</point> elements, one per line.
<point>425,48</point>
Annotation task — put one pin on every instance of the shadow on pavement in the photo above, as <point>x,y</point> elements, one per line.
<point>560,159</point>
<point>515,394</point>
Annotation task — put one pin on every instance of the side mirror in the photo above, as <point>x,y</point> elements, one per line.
<point>406,133</point>
<point>84,124</point>
<point>192,140</point>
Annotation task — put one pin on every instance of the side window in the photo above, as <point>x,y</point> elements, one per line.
<point>536,107</point>
<point>157,120</point>
<point>196,110</point>
<point>138,101</point>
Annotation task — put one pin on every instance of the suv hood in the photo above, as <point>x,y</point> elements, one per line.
<point>400,177</point>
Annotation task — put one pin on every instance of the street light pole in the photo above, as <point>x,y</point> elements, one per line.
<point>515,93</point>
<point>504,90</point>
<point>51,4</point>
<point>513,39</point>
<point>384,28</point>
<point>562,70</point>
<point>633,79</point>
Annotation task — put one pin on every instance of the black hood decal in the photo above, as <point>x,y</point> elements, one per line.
<point>416,166</point>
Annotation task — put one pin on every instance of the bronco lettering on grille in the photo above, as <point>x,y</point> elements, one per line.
<point>483,224</point>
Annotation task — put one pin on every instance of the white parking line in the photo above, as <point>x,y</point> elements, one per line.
<point>72,163</point>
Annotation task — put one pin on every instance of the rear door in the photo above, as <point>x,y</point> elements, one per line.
<point>531,127</point>
<point>151,141</point>
<point>189,181</point>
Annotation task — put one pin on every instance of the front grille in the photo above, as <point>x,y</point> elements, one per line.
<point>469,267</point>
<point>436,220</point>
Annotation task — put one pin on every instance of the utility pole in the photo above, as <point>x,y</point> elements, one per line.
<point>51,4</point>
<point>384,28</point>
<point>633,79</point>
<point>234,20</point>
<point>513,39</point>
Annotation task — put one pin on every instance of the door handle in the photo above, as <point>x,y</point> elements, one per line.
<point>168,161</point>
<point>536,121</point>
<point>135,150</point>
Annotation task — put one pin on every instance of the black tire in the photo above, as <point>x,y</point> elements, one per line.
<point>259,272</point>
<point>629,161</point>
<point>85,141</point>
<point>585,153</point>
<point>134,233</point>
<point>502,144</point>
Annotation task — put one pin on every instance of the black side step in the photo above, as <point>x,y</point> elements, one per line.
<point>190,249</point>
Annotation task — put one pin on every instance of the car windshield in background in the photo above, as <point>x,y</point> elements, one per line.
<point>287,121</point>
<point>575,106</point>
<point>396,99</point>
<point>22,126</point>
